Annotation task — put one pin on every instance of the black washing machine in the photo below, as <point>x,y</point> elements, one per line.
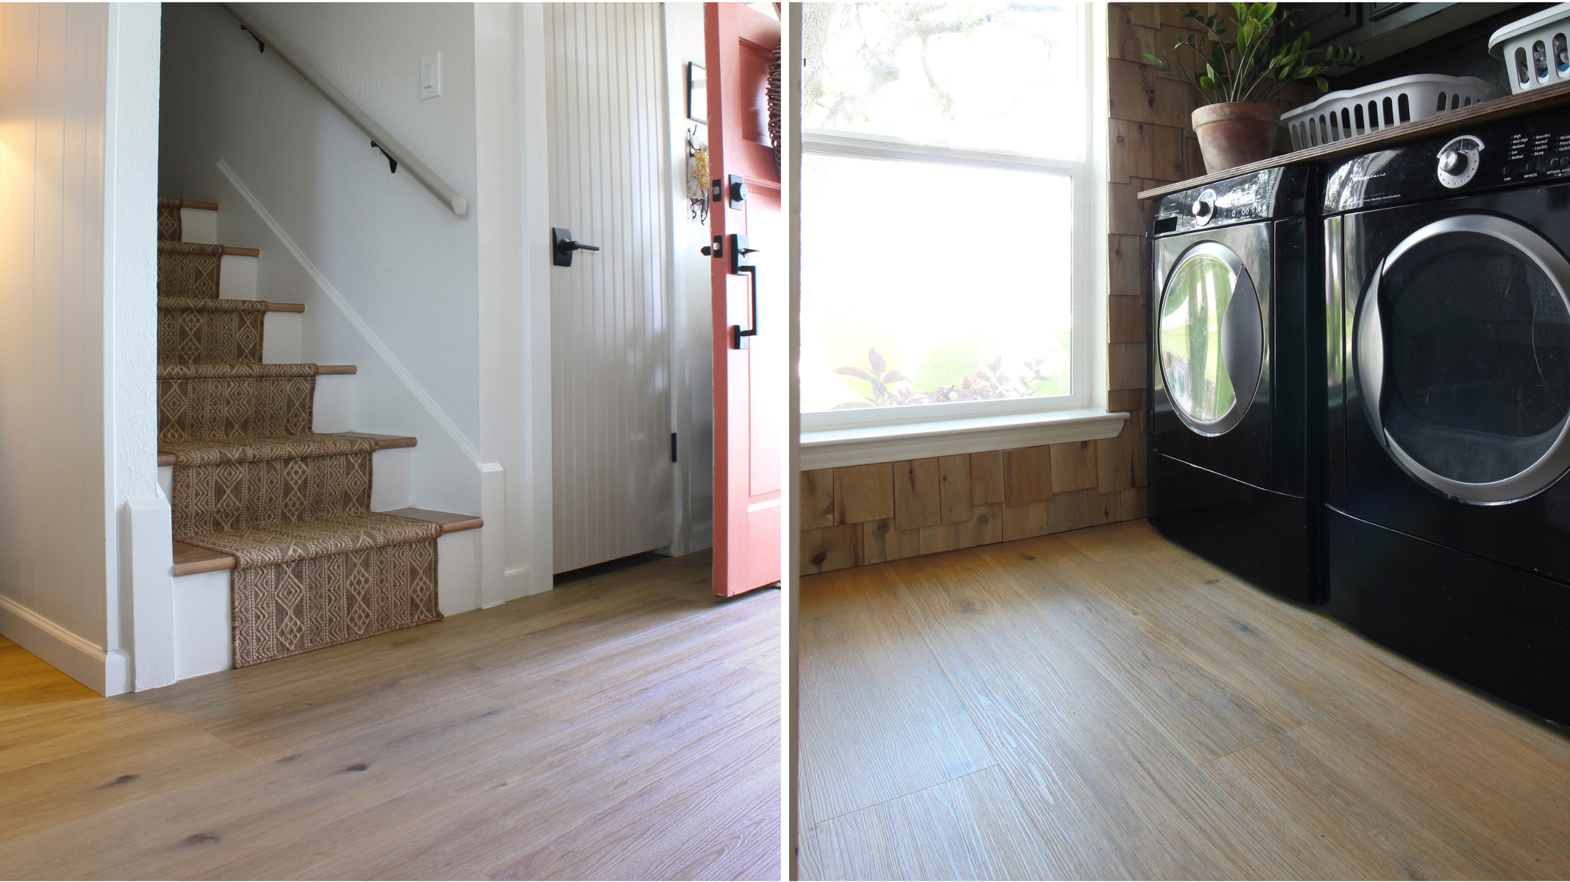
<point>1236,396</point>
<point>1448,303</point>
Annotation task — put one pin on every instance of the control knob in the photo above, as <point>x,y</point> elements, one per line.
<point>1204,208</point>
<point>1458,161</point>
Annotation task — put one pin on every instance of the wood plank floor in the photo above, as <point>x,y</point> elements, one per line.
<point>624,726</point>
<point>1103,704</point>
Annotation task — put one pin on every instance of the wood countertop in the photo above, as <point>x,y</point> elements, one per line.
<point>1488,111</point>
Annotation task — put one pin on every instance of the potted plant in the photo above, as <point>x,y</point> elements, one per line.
<point>1238,70</point>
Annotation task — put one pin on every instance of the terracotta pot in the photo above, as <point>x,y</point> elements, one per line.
<point>1235,134</point>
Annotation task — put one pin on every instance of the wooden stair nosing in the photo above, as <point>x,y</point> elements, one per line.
<point>193,203</point>
<point>229,250</point>
<point>190,559</point>
<point>383,442</point>
<point>285,307</point>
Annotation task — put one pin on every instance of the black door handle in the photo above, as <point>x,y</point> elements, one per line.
<point>741,263</point>
<point>562,246</point>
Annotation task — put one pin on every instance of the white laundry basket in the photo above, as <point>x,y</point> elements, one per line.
<point>1536,49</point>
<point>1342,115</point>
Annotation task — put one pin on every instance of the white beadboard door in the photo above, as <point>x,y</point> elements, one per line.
<point>610,331</point>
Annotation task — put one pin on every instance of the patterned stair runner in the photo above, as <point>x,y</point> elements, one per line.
<point>315,566</point>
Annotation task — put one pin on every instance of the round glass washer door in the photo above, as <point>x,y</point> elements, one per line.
<point>1462,352</point>
<point>1210,338</point>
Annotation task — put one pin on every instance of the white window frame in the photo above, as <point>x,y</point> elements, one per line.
<point>1088,237</point>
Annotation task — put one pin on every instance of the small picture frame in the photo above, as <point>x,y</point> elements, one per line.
<point>697,93</point>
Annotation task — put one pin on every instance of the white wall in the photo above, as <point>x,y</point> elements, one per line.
<point>78,91</point>
<point>388,274</point>
<point>692,359</point>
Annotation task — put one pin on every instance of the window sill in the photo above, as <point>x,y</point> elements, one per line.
<point>836,447</point>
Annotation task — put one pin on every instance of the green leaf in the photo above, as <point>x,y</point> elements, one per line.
<point>1322,83</point>
<point>1207,83</point>
<point>1154,60</point>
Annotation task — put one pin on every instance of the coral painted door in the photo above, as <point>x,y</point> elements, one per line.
<point>749,369</point>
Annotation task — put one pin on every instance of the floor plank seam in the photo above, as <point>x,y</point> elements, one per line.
<point>1276,737</point>
<point>881,802</point>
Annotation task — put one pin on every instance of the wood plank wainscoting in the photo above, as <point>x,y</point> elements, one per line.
<point>888,511</point>
<point>625,727</point>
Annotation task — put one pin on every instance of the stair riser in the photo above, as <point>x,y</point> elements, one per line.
<point>281,332</point>
<point>199,225</point>
<point>390,479</point>
<point>203,636</point>
<point>333,410</point>
<point>237,277</point>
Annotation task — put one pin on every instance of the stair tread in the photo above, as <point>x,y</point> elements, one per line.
<point>383,442</point>
<point>199,303</point>
<point>210,371</point>
<point>192,559</point>
<point>188,203</point>
<point>228,250</point>
<point>451,522</point>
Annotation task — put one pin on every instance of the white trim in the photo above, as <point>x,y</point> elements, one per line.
<point>885,147</point>
<point>673,151</point>
<point>333,294</point>
<point>871,417</point>
<point>149,539</point>
<point>103,671</point>
<point>493,535</point>
<point>536,530</point>
<point>1088,282</point>
<point>1097,146</point>
<point>834,448</point>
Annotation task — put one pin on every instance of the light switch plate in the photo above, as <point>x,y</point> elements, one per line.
<point>431,76</point>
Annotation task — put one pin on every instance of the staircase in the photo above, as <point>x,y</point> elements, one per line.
<point>283,541</point>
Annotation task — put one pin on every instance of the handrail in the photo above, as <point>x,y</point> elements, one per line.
<point>395,152</point>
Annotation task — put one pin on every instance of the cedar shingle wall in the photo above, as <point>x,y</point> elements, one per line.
<point>875,513</point>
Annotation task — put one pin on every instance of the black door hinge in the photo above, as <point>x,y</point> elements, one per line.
<point>673,447</point>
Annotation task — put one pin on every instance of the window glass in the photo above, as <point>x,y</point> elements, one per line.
<point>999,76</point>
<point>928,283</point>
<point>1190,337</point>
<point>1477,357</point>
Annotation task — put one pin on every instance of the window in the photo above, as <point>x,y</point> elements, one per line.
<point>944,229</point>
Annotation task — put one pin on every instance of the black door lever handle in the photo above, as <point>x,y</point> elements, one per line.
<point>563,245</point>
<point>739,264</point>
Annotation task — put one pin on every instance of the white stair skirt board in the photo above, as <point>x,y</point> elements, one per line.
<point>281,333</point>
<point>199,225</point>
<point>389,490</point>
<point>203,636</point>
<point>334,404</point>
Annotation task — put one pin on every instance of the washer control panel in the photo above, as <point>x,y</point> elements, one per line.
<point>1458,161</point>
<point>1263,195</point>
<point>1528,150</point>
<point>1537,154</point>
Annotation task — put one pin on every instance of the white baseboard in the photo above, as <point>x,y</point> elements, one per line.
<point>104,672</point>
